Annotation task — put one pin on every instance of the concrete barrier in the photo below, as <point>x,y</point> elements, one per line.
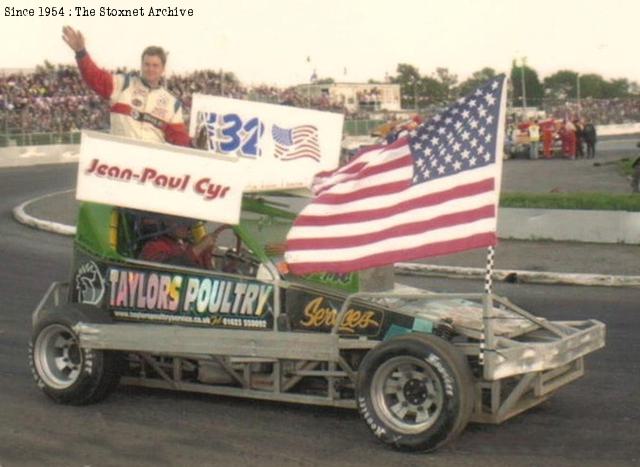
<point>17,156</point>
<point>518,276</point>
<point>354,142</point>
<point>569,225</point>
<point>619,129</point>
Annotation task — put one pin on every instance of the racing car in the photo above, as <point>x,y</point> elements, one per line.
<point>417,365</point>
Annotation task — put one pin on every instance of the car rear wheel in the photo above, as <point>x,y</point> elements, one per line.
<point>67,373</point>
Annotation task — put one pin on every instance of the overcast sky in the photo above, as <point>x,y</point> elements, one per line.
<point>269,41</point>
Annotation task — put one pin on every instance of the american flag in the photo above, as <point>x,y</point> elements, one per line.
<point>296,143</point>
<point>432,192</point>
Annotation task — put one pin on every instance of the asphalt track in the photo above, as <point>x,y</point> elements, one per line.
<point>592,422</point>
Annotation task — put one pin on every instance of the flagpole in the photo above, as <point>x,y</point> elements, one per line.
<point>488,276</point>
<point>486,335</point>
<point>309,85</point>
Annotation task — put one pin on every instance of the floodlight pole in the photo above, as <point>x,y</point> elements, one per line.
<point>578,93</point>
<point>524,89</point>
<point>311,79</point>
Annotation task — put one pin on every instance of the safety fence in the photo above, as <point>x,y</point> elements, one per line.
<point>360,127</point>
<point>38,139</point>
<point>17,138</point>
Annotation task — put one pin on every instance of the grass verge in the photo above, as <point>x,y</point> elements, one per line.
<point>587,201</point>
<point>624,166</point>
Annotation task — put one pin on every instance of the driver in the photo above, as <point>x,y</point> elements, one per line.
<point>174,246</point>
<point>141,107</point>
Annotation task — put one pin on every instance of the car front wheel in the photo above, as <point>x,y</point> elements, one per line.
<point>415,392</point>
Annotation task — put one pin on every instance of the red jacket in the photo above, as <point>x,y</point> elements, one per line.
<point>168,250</point>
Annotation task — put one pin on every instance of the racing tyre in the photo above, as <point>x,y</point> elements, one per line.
<point>415,392</point>
<point>65,372</point>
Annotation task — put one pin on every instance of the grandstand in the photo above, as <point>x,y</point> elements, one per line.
<point>51,104</point>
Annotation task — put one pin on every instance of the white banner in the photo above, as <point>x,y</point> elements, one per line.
<point>159,178</point>
<point>280,147</point>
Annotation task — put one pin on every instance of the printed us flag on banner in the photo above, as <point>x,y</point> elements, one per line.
<point>433,192</point>
<point>296,143</point>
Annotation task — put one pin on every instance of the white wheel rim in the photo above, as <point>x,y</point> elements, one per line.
<point>407,394</point>
<point>57,356</point>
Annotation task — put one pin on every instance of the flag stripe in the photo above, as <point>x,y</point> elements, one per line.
<point>396,243</point>
<point>371,155</point>
<point>446,220</point>
<point>339,181</point>
<point>417,214</point>
<point>297,142</point>
<point>400,196</point>
<point>385,170</point>
<point>351,188</point>
<point>370,192</point>
<point>307,147</point>
<point>294,156</point>
<point>430,199</point>
<point>422,251</point>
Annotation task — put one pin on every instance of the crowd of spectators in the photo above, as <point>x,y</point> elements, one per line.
<point>55,99</point>
<point>49,100</point>
<point>600,111</point>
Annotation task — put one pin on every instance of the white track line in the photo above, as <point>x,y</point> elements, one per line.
<point>21,216</point>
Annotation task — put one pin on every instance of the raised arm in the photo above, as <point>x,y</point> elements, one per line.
<point>101,81</point>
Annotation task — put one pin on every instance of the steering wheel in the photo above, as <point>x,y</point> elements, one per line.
<point>216,233</point>
<point>235,260</point>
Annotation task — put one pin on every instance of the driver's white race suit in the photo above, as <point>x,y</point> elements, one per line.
<point>137,110</point>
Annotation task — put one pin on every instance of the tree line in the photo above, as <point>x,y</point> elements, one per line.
<point>418,90</point>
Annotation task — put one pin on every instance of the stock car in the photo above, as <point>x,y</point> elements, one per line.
<point>417,365</point>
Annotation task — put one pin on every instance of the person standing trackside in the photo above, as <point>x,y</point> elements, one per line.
<point>548,133</point>
<point>579,138</point>
<point>635,178</point>
<point>590,138</point>
<point>141,107</point>
<point>568,135</point>
<point>534,139</point>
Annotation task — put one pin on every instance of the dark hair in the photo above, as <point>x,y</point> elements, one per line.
<point>156,51</point>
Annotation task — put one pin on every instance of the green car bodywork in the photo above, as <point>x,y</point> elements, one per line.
<point>102,231</point>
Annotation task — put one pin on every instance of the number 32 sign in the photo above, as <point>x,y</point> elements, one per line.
<point>228,133</point>
<point>279,147</point>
